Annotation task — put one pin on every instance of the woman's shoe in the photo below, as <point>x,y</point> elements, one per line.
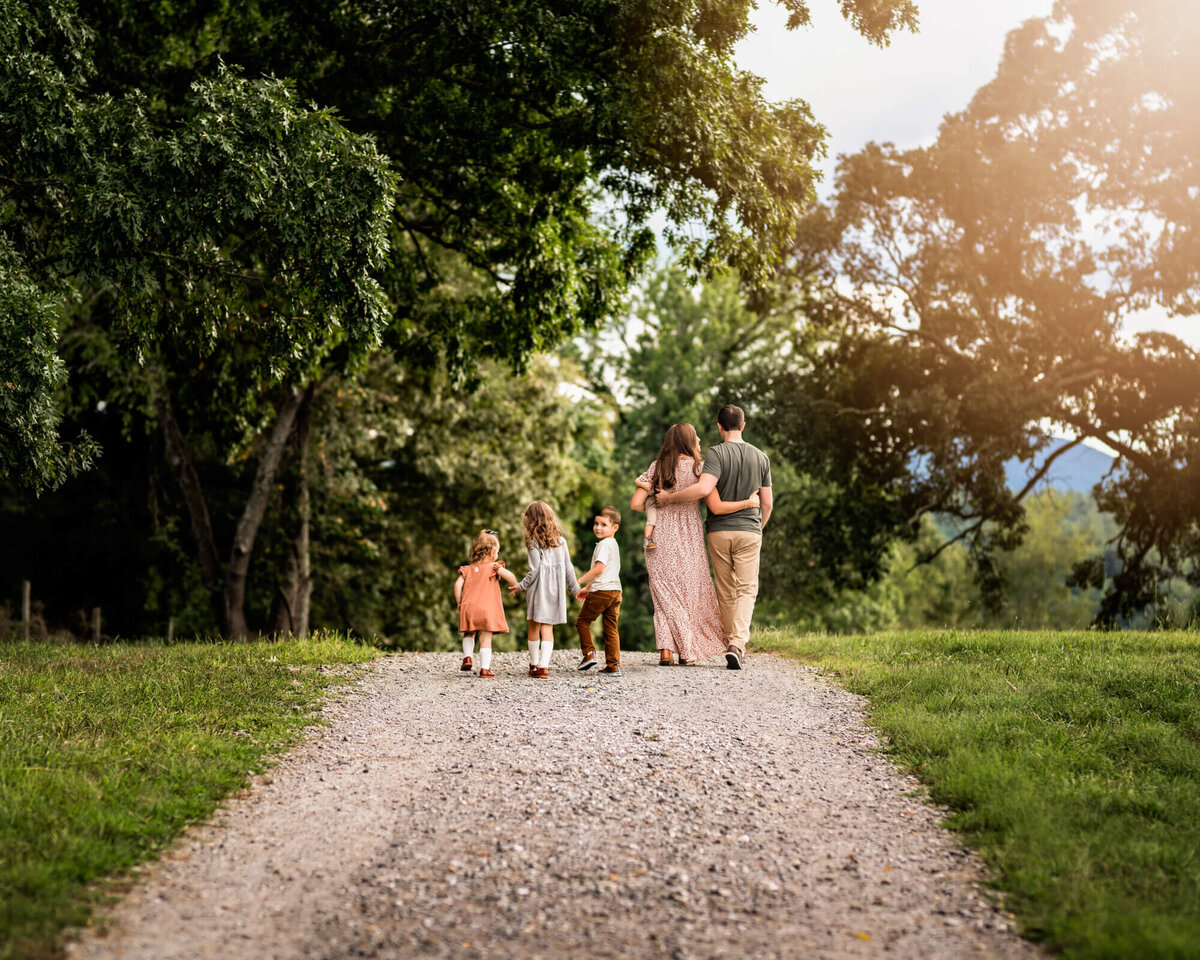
<point>686,663</point>
<point>665,659</point>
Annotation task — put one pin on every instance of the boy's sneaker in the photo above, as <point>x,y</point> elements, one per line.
<point>612,671</point>
<point>588,662</point>
<point>466,665</point>
<point>733,659</point>
<point>533,670</point>
<point>543,673</point>
<point>485,672</point>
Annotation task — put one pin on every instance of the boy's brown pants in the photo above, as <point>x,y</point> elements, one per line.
<point>608,604</point>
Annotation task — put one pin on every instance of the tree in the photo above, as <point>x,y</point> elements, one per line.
<point>175,225</point>
<point>243,210</point>
<point>969,304</point>
<point>407,469</point>
<point>510,126</point>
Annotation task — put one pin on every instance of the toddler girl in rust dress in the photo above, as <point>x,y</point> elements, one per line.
<point>480,607</point>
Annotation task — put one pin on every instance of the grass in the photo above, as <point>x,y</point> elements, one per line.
<point>108,752</point>
<point>1071,762</point>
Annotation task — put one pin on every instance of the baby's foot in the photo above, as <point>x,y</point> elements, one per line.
<point>648,543</point>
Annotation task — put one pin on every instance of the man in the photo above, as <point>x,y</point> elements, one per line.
<point>733,470</point>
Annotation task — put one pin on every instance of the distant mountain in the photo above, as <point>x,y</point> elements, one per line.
<point>1078,469</point>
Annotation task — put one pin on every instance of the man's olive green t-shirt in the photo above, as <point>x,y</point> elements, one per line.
<point>741,469</point>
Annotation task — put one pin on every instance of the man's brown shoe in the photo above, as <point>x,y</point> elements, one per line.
<point>543,673</point>
<point>466,665</point>
<point>485,672</point>
<point>612,671</point>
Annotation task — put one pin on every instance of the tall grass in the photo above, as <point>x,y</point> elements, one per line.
<point>107,752</point>
<point>1071,760</point>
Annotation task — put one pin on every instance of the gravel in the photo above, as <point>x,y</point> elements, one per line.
<point>690,812</point>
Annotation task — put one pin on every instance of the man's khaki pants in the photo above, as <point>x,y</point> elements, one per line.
<point>734,555</point>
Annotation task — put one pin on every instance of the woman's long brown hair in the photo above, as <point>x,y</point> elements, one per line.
<point>541,526</point>
<point>680,441</point>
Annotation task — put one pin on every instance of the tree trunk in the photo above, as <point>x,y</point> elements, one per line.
<point>193,496</point>
<point>252,515</point>
<point>295,591</point>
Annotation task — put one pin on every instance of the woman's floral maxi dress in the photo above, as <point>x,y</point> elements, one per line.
<point>686,619</point>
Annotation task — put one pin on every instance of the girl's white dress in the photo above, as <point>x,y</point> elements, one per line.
<point>550,579</point>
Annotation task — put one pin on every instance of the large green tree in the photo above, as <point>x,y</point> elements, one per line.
<point>971,296</point>
<point>239,210</point>
<point>512,126</point>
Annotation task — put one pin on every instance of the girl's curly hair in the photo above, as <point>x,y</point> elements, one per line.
<point>483,544</point>
<point>541,526</point>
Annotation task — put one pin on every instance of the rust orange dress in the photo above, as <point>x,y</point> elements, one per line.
<point>482,607</point>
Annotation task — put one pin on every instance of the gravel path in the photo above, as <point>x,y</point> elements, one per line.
<point>685,813</point>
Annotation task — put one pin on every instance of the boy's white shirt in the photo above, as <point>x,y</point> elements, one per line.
<point>610,577</point>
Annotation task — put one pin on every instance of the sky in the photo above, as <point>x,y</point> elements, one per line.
<point>899,93</point>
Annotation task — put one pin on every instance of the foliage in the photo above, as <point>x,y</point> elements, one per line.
<point>409,469</point>
<point>1063,528</point>
<point>965,301</point>
<point>511,124</point>
<point>108,752</point>
<point>1070,761</point>
<point>680,353</point>
<point>183,218</point>
<point>231,209</point>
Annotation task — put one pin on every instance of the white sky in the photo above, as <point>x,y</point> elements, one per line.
<point>900,93</point>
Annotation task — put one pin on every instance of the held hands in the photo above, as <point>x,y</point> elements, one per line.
<point>513,590</point>
<point>582,595</point>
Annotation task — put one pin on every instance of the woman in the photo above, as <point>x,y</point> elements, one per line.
<point>686,621</point>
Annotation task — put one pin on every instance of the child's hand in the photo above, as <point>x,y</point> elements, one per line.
<point>514,590</point>
<point>582,595</point>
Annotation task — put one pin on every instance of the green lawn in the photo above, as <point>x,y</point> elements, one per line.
<point>1071,760</point>
<point>107,752</point>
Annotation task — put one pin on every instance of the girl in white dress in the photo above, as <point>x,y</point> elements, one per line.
<point>550,578</point>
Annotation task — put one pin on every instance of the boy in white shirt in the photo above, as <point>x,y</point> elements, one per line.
<point>603,596</point>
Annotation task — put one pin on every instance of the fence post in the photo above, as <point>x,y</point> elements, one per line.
<point>25,610</point>
<point>95,624</point>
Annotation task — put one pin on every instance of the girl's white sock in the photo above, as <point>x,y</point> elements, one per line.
<point>533,653</point>
<point>485,658</point>
<point>547,649</point>
<point>468,644</point>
